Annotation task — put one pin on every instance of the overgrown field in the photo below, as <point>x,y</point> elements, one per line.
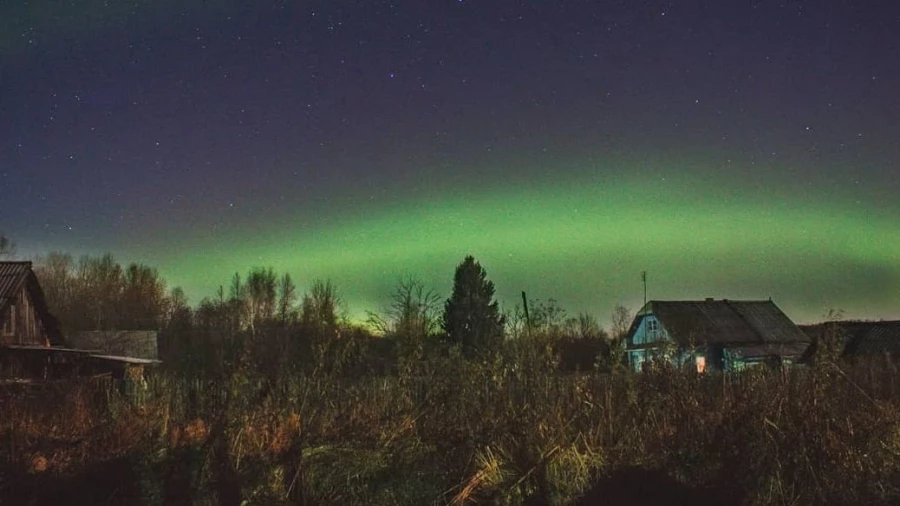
<point>456,431</point>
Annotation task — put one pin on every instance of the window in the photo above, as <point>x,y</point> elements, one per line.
<point>652,329</point>
<point>9,320</point>
<point>701,363</point>
<point>636,357</point>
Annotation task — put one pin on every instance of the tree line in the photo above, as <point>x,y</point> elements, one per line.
<point>260,320</point>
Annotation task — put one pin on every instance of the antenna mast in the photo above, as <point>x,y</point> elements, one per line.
<point>644,280</point>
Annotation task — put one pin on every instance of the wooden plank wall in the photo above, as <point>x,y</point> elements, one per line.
<point>28,328</point>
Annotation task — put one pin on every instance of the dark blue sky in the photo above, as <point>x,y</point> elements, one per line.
<point>126,126</point>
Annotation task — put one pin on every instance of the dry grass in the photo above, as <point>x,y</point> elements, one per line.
<point>468,433</point>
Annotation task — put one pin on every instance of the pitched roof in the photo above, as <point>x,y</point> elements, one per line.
<point>884,337</point>
<point>728,322</point>
<point>14,276</point>
<point>862,337</point>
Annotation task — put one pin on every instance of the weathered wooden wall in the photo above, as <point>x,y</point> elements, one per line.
<point>27,328</point>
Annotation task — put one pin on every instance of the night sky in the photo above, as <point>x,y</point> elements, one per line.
<point>731,149</point>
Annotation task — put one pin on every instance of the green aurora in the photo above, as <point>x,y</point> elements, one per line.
<point>583,242</point>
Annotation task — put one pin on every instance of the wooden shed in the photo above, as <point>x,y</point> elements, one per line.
<point>856,339</point>
<point>32,347</point>
<point>24,316</point>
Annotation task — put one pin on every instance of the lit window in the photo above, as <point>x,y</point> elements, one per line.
<point>701,363</point>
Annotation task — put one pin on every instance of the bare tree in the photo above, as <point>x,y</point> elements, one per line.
<point>143,304</point>
<point>287,297</point>
<point>621,322</point>
<point>176,340</point>
<point>96,293</point>
<point>100,283</point>
<point>56,273</point>
<point>177,305</point>
<point>584,326</point>
<point>547,317</point>
<point>414,312</point>
<point>320,307</point>
<point>259,295</point>
<point>516,324</point>
<point>237,304</point>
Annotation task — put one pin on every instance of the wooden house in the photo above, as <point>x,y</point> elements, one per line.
<point>714,335</point>
<point>28,332</point>
<point>25,319</point>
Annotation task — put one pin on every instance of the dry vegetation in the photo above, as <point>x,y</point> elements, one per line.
<point>458,431</point>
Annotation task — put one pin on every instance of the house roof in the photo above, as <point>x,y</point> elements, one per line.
<point>760,351</point>
<point>862,337</point>
<point>13,277</point>
<point>882,337</point>
<point>727,322</point>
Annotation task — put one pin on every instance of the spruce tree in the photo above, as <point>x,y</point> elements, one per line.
<point>471,315</point>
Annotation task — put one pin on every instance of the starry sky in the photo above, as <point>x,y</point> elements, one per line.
<point>731,149</point>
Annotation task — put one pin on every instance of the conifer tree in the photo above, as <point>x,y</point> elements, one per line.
<point>471,315</point>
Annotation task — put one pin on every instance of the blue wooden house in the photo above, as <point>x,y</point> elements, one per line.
<point>714,335</point>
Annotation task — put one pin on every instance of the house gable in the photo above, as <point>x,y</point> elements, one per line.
<point>649,331</point>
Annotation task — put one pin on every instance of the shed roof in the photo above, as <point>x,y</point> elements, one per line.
<point>727,322</point>
<point>13,277</point>
<point>126,360</point>
<point>862,337</point>
<point>882,337</point>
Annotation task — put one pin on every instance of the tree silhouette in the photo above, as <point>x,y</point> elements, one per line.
<point>414,313</point>
<point>319,309</point>
<point>97,293</point>
<point>260,294</point>
<point>621,322</point>
<point>471,315</point>
<point>101,279</point>
<point>143,303</point>
<point>287,298</point>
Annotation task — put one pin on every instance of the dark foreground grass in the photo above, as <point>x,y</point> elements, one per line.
<point>459,432</point>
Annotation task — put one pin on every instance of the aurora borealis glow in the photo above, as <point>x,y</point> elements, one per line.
<point>584,242</point>
<point>732,150</point>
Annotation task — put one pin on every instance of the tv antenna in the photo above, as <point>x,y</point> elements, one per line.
<point>644,281</point>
